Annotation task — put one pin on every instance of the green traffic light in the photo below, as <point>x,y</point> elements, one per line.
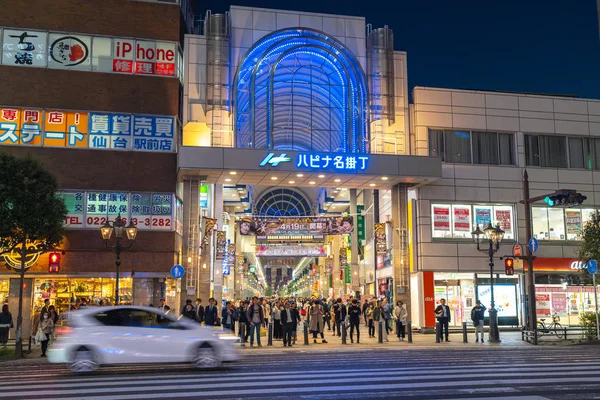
<point>549,201</point>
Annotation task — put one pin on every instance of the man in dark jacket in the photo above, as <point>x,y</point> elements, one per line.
<point>289,318</point>
<point>339,311</point>
<point>256,318</point>
<point>442,313</point>
<point>211,314</point>
<point>187,302</point>
<point>199,311</point>
<point>354,313</point>
<point>477,316</point>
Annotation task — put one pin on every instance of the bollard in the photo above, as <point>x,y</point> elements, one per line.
<point>270,333</point>
<point>305,333</point>
<point>409,327</point>
<point>243,333</point>
<point>437,332</point>
<point>465,339</point>
<point>380,332</point>
<point>344,333</point>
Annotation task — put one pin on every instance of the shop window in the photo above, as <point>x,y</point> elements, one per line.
<point>539,216</point>
<point>459,220</point>
<point>485,148</point>
<point>458,146</point>
<point>559,223</point>
<point>556,224</point>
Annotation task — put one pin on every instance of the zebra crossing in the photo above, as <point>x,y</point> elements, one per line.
<point>525,373</point>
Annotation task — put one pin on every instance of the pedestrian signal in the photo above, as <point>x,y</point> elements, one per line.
<point>509,266</point>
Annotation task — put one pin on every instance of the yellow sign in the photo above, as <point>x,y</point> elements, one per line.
<point>13,259</point>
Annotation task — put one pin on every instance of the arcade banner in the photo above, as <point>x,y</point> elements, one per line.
<point>221,244</point>
<point>380,239</point>
<point>268,226</point>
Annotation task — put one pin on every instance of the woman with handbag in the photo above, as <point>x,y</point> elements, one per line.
<point>6,322</point>
<point>46,327</point>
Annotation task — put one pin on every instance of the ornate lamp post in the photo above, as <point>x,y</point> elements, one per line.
<point>118,226</point>
<point>494,236</point>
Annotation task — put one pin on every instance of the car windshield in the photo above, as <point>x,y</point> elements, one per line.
<point>133,317</point>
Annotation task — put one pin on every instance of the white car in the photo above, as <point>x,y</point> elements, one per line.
<point>130,334</point>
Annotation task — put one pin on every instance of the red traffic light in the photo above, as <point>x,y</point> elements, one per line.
<point>509,266</point>
<point>54,262</point>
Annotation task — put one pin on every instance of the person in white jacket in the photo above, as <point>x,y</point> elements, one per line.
<point>400,316</point>
<point>267,312</point>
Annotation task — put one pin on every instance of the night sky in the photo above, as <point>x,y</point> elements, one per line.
<point>536,46</point>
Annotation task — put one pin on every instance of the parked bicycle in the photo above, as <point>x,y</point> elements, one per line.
<point>554,328</point>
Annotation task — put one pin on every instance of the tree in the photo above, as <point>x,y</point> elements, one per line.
<point>30,213</point>
<point>590,247</point>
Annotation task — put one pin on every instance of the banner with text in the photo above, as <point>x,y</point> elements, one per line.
<point>266,226</point>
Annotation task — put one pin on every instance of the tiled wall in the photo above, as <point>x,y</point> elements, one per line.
<point>519,113</point>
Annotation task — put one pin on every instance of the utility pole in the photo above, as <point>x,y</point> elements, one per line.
<point>530,274</point>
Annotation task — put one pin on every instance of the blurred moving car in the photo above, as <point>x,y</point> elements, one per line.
<point>129,334</point>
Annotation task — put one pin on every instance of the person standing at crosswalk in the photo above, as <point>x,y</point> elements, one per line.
<point>477,316</point>
<point>316,321</point>
<point>256,317</point>
<point>400,316</point>
<point>287,324</point>
<point>442,313</point>
<point>354,312</point>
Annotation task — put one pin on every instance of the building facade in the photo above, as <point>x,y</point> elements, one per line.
<point>276,152</point>
<point>93,90</point>
<point>486,140</point>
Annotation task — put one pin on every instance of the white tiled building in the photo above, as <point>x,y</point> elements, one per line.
<point>556,138</point>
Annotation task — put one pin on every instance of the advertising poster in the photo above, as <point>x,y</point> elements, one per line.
<point>221,246</point>
<point>462,219</point>
<point>208,224</point>
<point>290,251</point>
<point>380,239</point>
<point>343,258</point>
<point>504,219</point>
<point>24,48</point>
<point>559,304</point>
<point>441,218</point>
<point>542,304</point>
<point>265,226</point>
<point>483,216</point>
<point>230,259</point>
<point>505,298</point>
<point>574,224</point>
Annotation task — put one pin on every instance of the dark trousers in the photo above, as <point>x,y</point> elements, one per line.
<point>354,324</point>
<point>44,347</point>
<point>371,328</point>
<point>277,334</point>
<point>338,325</point>
<point>400,329</point>
<point>387,325</point>
<point>327,321</point>
<point>443,327</point>
<point>288,329</point>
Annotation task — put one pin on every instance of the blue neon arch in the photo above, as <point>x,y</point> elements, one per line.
<point>300,89</point>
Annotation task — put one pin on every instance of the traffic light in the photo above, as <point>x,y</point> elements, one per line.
<point>54,263</point>
<point>509,266</point>
<point>568,199</point>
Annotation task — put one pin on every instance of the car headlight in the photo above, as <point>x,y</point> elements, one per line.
<point>229,337</point>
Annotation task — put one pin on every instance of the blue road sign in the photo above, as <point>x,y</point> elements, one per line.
<point>177,271</point>
<point>592,266</point>
<point>533,245</point>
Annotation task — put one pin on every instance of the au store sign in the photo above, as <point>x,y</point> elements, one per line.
<point>92,53</point>
<point>319,162</point>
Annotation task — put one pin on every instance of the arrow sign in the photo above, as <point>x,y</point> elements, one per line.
<point>592,266</point>
<point>177,271</point>
<point>533,245</point>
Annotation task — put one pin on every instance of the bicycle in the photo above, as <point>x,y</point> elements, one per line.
<point>554,328</point>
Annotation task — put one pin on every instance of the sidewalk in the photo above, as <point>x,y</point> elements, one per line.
<point>509,339</point>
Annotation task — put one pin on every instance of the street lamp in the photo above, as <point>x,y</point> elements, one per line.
<point>494,235</point>
<point>119,228</point>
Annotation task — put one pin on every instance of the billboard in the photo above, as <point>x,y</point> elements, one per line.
<point>268,226</point>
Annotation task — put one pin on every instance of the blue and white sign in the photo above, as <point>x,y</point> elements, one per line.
<point>320,162</point>
<point>226,269</point>
<point>153,133</point>
<point>592,266</point>
<point>533,245</point>
<point>177,271</point>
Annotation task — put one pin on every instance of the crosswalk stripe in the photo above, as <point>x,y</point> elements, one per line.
<point>347,377</point>
<point>261,390</point>
<point>345,384</point>
<point>10,380</point>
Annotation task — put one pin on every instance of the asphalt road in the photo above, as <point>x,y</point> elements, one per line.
<point>418,373</point>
